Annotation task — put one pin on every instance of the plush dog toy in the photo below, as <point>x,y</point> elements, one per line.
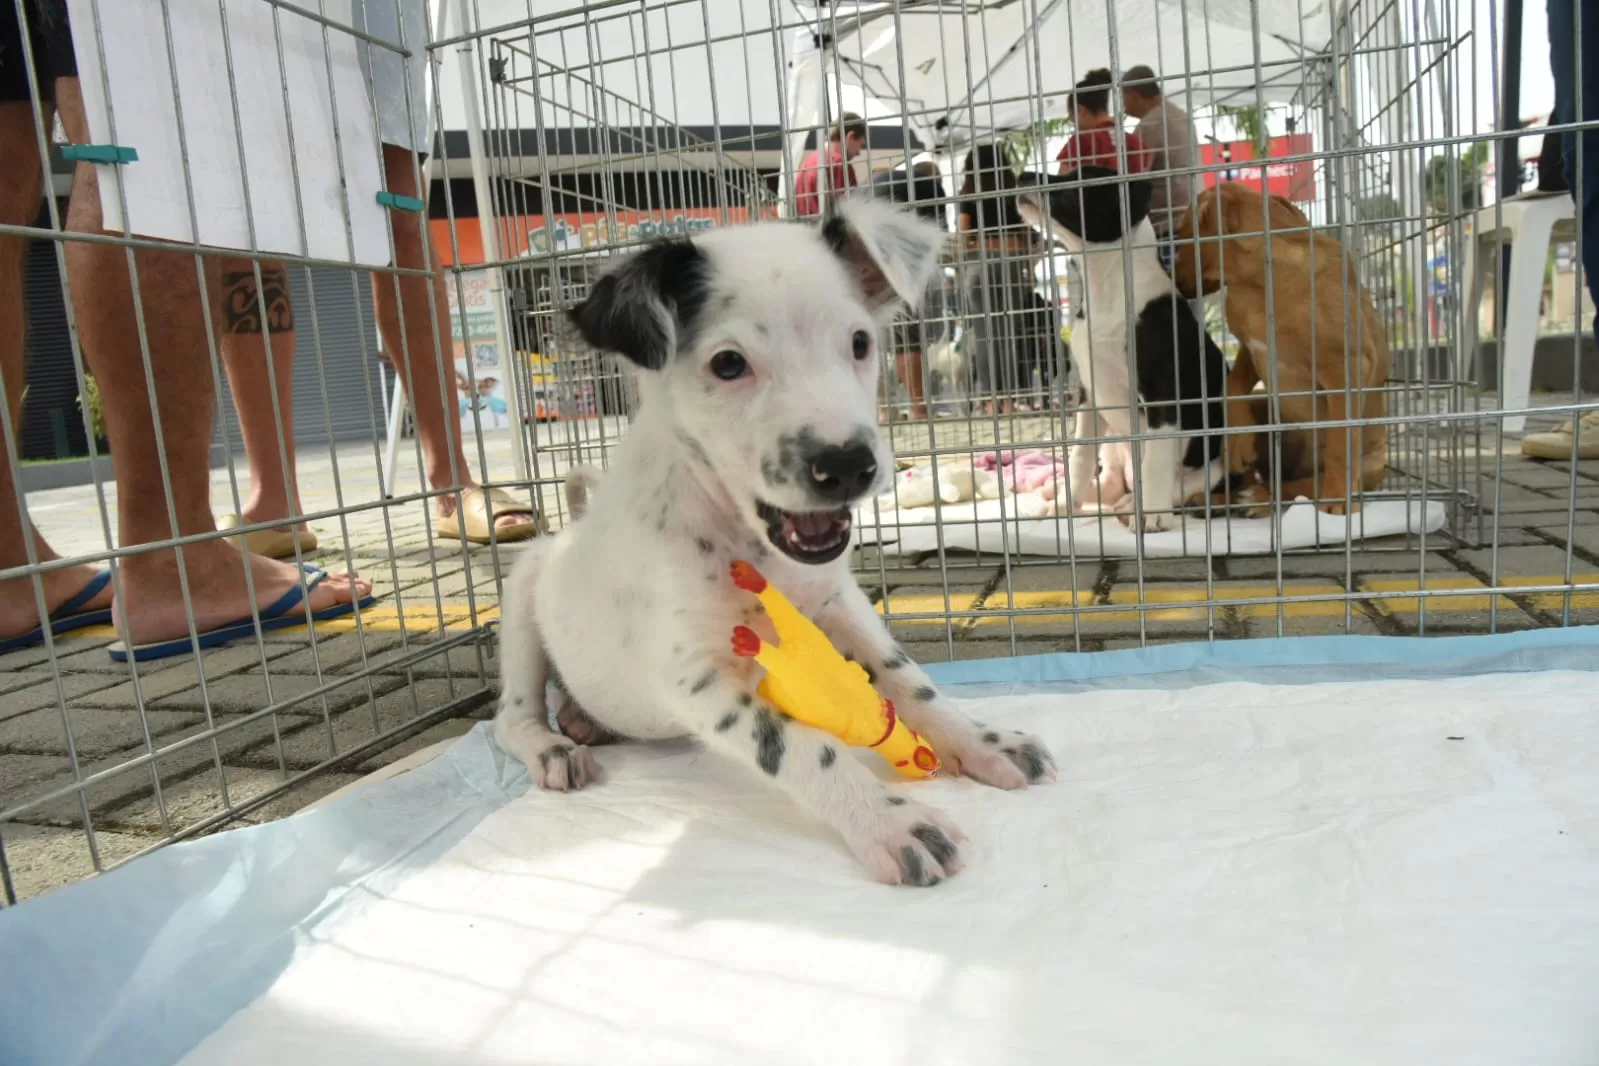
<point>807,679</point>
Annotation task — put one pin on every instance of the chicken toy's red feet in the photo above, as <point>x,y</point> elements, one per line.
<point>746,644</point>
<point>748,578</point>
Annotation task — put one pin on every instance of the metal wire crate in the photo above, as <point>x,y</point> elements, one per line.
<point>1359,107</point>
<point>565,134</point>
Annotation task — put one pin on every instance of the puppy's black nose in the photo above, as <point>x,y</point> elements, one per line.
<point>843,473</point>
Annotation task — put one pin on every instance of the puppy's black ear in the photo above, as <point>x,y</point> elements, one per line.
<point>1139,195</point>
<point>1033,194</point>
<point>646,307</point>
<point>890,252</point>
<point>1094,212</point>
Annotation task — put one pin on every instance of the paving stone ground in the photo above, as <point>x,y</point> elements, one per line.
<point>186,747</point>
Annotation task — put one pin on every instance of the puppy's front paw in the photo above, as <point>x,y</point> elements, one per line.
<point>564,767</point>
<point>1008,760</point>
<point>1154,521</point>
<point>1037,505</point>
<point>1255,500</point>
<point>907,843</point>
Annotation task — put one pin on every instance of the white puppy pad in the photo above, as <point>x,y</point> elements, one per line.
<point>1382,872</point>
<point>997,526</point>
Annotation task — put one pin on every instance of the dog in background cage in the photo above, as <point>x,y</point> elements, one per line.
<point>1180,373</point>
<point>1309,328</point>
<point>755,438</point>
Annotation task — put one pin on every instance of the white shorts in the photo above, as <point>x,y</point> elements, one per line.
<point>387,73</point>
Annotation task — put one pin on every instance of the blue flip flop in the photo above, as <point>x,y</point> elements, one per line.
<point>67,617</point>
<point>282,613</point>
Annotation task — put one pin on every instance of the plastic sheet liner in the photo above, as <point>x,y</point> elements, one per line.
<point>1260,852</point>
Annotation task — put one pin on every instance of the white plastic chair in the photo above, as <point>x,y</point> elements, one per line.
<point>1528,224</point>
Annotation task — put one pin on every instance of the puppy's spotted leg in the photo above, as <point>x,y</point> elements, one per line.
<point>900,841</point>
<point>1004,759</point>
<point>521,725</point>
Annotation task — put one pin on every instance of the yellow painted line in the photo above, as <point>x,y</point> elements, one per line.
<point>1445,582</point>
<point>1035,600</point>
<point>1556,600</point>
<point>1333,608</point>
<point>419,619</point>
<point>106,632</point>
<point>1223,595</point>
<point>925,603</point>
<point>1161,604</point>
<point>1410,605</point>
<point>1189,603</point>
<point>378,618</point>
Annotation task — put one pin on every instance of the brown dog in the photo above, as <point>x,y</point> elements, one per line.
<point>1331,355</point>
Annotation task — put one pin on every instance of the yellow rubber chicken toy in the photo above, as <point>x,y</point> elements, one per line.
<point>811,682</point>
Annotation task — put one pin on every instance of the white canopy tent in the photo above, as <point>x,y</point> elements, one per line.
<point>958,71</point>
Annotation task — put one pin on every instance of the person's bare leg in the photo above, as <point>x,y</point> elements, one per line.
<point>248,324</point>
<point>180,363</point>
<point>909,365</point>
<point>21,184</point>
<point>430,349</point>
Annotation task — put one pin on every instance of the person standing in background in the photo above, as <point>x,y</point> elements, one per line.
<point>846,141</point>
<point>1001,251</point>
<point>413,318</point>
<point>921,187</point>
<point>1576,67</point>
<point>148,369</point>
<point>1167,137</point>
<point>1099,140</point>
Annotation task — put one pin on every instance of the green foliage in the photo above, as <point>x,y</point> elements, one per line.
<point>1025,149</point>
<point>1380,208</point>
<point>1380,213</point>
<point>1468,171</point>
<point>1250,122</point>
<point>89,400</point>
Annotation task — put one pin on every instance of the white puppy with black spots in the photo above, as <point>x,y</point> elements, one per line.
<point>757,355</point>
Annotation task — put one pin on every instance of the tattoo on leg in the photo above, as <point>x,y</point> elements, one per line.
<point>242,306</point>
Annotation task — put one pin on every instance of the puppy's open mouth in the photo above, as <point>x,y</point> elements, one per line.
<point>812,537</point>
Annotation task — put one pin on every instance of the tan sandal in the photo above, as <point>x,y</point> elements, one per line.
<point>480,509</point>
<point>269,543</point>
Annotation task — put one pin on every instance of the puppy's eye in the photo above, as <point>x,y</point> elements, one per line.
<point>863,344</point>
<point>729,366</point>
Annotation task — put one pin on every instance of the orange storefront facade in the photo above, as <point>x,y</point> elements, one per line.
<point>522,235</point>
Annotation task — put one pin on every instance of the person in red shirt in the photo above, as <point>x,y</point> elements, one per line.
<point>845,142</point>
<point>1098,134</point>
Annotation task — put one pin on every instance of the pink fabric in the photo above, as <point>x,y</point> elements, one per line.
<point>1023,471</point>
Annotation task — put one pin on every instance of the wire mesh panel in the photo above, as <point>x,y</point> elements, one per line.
<point>1249,238</point>
<point>1364,463</point>
<point>231,628</point>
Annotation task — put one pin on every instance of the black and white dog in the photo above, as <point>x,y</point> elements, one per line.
<point>1180,372</point>
<point>756,435</point>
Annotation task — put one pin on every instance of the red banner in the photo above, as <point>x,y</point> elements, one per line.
<point>1295,180</point>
